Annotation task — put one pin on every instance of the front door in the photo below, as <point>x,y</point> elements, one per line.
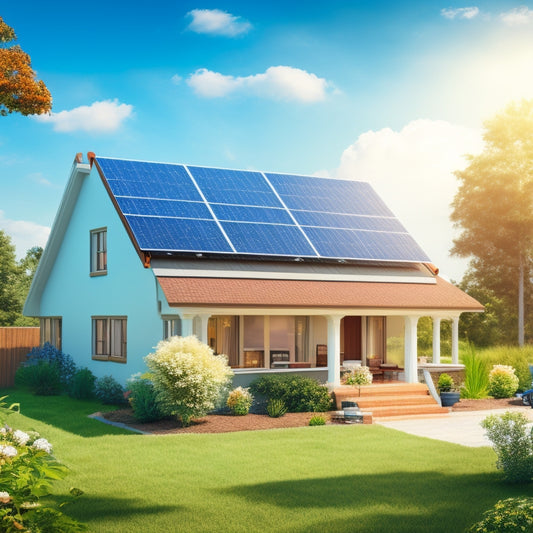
<point>352,337</point>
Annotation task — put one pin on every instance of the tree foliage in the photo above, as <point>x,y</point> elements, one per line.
<point>494,205</point>
<point>20,91</point>
<point>15,281</point>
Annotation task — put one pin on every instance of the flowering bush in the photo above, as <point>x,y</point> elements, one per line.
<point>239,401</point>
<point>503,382</point>
<point>27,470</point>
<point>511,514</point>
<point>360,375</point>
<point>513,443</point>
<point>188,377</point>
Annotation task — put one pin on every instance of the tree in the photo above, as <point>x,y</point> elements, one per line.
<point>20,91</point>
<point>494,207</point>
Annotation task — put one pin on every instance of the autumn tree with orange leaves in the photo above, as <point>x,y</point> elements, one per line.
<point>20,91</point>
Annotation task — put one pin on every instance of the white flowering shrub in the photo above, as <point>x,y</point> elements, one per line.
<point>240,400</point>
<point>360,375</point>
<point>188,377</point>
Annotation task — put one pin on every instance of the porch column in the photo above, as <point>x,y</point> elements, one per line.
<point>436,339</point>
<point>204,320</point>
<point>455,340</point>
<point>334,350</point>
<point>411,366</point>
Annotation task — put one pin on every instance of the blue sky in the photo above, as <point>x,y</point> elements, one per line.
<point>394,93</point>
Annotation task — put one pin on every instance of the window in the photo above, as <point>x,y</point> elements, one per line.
<point>109,338</point>
<point>99,252</point>
<point>51,331</point>
<point>171,326</point>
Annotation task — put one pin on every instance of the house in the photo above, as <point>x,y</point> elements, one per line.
<point>282,273</point>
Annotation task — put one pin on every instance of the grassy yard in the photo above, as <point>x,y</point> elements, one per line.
<point>333,478</point>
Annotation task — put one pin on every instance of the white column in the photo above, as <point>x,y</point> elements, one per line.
<point>411,366</point>
<point>204,320</point>
<point>436,339</point>
<point>334,350</point>
<point>455,340</point>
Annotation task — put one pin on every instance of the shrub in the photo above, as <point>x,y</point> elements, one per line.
<point>27,473</point>
<point>503,382</point>
<point>239,401</point>
<point>514,356</point>
<point>109,391</point>
<point>276,408</point>
<point>360,375</point>
<point>82,384</point>
<point>189,378</point>
<point>42,378</point>
<point>317,420</point>
<point>476,384</point>
<point>510,515</point>
<point>50,354</point>
<point>300,394</point>
<point>142,397</point>
<point>512,444</point>
<point>445,383</point>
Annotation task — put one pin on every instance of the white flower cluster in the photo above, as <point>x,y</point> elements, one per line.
<point>20,437</point>
<point>42,444</point>
<point>8,451</point>
<point>4,497</point>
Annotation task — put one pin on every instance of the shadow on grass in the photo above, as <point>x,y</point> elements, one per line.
<point>63,412</point>
<point>396,501</point>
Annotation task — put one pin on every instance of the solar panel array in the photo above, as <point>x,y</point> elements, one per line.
<point>178,208</point>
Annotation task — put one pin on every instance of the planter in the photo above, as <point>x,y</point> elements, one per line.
<point>449,398</point>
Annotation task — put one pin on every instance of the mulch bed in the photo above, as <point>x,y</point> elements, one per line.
<point>250,422</point>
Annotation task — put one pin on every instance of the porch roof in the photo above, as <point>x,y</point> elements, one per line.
<point>217,292</point>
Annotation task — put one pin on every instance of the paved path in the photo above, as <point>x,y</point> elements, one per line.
<point>459,427</point>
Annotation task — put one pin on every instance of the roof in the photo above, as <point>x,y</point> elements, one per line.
<point>283,293</point>
<point>184,209</point>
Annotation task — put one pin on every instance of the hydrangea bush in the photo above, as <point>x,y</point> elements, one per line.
<point>27,471</point>
<point>188,377</point>
<point>240,400</point>
<point>503,382</point>
<point>511,515</point>
<point>360,375</point>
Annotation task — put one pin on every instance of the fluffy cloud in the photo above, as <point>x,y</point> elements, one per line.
<point>24,234</point>
<point>277,83</point>
<point>100,117</point>
<point>460,13</point>
<point>217,22</point>
<point>412,170</point>
<point>517,16</point>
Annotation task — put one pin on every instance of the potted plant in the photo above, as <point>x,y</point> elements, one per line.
<point>448,394</point>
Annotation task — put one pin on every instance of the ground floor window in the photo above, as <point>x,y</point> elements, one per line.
<point>109,338</point>
<point>50,330</point>
<point>171,326</point>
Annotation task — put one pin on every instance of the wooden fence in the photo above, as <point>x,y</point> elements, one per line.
<point>15,343</point>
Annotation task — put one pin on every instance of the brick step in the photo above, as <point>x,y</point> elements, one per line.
<point>392,389</point>
<point>369,402</point>
<point>379,413</point>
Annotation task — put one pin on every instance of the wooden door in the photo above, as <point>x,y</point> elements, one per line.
<point>352,337</point>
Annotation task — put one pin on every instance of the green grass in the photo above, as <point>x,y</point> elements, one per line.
<point>350,478</point>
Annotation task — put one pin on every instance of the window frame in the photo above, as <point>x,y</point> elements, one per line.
<point>107,338</point>
<point>98,248</point>
<point>169,327</point>
<point>51,330</point>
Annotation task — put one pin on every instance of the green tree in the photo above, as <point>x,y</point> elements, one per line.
<point>494,208</point>
<point>19,90</point>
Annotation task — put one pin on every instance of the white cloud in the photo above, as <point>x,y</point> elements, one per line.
<point>277,83</point>
<point>412,170</point>
<point>460,12</point>
<point>24,234</point>
<point>217,22</point>
<point>100,117</point>
<point>517,16</point>
<point>176,79</point>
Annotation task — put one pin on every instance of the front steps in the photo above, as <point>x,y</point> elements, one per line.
<point>391,400</point>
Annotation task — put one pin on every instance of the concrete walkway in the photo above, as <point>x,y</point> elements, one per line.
<point>459,427</point>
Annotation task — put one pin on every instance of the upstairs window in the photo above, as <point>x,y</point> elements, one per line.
<point>99,252</point>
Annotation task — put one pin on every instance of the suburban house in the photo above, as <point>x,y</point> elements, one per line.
<point>282,273</point>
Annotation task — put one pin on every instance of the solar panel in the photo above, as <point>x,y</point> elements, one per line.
<point>175,208</point>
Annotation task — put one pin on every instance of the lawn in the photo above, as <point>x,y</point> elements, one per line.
<point>331,478</point>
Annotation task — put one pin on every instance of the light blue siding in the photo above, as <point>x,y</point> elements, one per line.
<point>128,289</point>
